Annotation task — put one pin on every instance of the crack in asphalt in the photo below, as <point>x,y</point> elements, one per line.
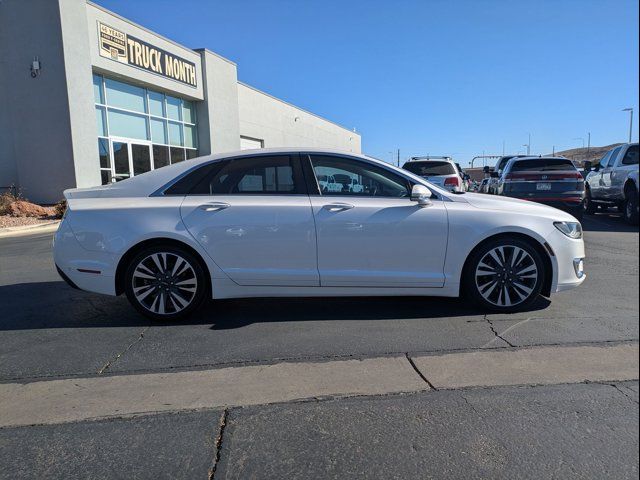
<point>222,423</point>
<point>499,335</point>
<point>617,387</point>
<point>107,365</point>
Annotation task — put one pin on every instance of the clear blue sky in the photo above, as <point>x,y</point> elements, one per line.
<point>438,77</point>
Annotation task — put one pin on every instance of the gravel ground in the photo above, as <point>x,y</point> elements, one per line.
<point>6,221</point>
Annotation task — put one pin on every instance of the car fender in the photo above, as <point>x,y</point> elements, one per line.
<point>464,236</point>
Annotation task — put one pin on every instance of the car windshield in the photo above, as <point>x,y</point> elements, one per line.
<point>430,168</point>
<point>542,165</point>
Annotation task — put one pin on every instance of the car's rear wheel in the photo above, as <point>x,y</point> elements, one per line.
<point>504,275</point>
<point>165,283</point>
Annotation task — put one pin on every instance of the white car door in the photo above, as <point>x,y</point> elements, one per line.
<point>376,237</point>
<point>253,217</point>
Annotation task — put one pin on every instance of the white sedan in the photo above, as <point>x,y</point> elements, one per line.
<point>256,224</point>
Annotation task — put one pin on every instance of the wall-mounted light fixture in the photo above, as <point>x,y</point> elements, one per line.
<point>35,67</point>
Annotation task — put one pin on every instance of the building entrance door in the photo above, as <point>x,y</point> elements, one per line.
<point>130,158</point>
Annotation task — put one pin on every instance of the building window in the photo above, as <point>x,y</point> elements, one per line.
<point>127,111</point>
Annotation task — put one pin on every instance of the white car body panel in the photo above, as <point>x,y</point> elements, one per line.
<point>258,239</point>
<point>266,245</point>
<point>354,248</point>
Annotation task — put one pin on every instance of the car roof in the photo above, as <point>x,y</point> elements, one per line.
<point>150,182</point>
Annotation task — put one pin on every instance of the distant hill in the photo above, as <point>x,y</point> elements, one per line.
<point>581,155</point>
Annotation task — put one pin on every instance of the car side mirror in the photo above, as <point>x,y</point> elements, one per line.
<point>421,194</point>
<point>588,166</point>
<point>495,175</point>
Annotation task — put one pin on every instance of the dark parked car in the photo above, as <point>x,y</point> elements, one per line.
<point>553,181</point>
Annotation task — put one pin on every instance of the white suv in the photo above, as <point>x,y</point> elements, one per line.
<point>441,171</point>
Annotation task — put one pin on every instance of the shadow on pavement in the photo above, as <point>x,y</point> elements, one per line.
<point>47,305</point>
<point>607,222</point>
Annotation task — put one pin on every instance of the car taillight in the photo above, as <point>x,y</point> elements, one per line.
<point>452,182</point>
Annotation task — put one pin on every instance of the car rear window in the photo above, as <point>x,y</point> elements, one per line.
<point>542,165</point>
<point>430,167</point>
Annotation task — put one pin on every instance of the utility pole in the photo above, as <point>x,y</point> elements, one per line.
<point>398,157</point>
<point>630,110</point>
<point>503,148</point>
<point>588,143</point>
<point>554,151</point>
<point>529,145</point>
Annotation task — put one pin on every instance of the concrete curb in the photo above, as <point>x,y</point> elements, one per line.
<point>29,229</point>
<point>76,399</point>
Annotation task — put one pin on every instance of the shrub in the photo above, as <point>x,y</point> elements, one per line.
<point>60,208</point>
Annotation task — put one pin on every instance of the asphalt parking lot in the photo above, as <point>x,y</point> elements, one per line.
<point>50,331</point>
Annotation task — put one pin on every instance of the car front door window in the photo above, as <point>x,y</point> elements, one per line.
<point>350,177</point>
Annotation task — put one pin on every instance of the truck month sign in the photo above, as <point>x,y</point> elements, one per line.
<point>124,48</point>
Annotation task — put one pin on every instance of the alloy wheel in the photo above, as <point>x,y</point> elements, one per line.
<point>164,283</point>
<point>506,276</point>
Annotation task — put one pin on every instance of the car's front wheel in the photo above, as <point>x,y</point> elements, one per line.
<point>589,207</point>
<point>165,283</point>
<point>504,275</point>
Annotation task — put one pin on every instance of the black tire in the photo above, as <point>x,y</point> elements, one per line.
<point>630,206</point>
<point>487,290</point>
<point>166,283</point>
<point>589,207</point>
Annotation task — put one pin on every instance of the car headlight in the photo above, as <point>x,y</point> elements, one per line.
<point>570,229</point>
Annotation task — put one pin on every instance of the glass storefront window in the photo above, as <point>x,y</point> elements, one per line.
<point>133,113</point>
<point>160,156</point>
<point>175,134</point>
<point>156,104</point>
<point>159,131</point>
<point>141,156</point>
<point>97,89</point>
<point>188,115</point>
<point>101,121</point>
<point>121,160</point>
<point>177,155</point>
<point>125,96</point>
<point>174,105</point>
<point>130,125</point>
<point>103,151</point>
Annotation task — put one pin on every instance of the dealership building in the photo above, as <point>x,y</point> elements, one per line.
<point>88,97</point>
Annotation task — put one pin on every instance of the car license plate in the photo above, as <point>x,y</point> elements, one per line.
<point>543,186</point>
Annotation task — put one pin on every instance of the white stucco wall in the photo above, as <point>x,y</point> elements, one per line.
<point>280,124</point>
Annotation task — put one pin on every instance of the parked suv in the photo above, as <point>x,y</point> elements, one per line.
<point>494,180</point>
<point>553,181</point>
<point>441,171</point>
<point>614,182</point>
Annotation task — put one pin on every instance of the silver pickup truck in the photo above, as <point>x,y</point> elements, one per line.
<point>614,182</point>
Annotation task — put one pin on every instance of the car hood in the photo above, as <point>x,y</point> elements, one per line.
<point>514,205</point>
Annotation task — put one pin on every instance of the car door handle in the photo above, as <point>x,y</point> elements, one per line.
<point>338,207</point>
<point>214,206</point>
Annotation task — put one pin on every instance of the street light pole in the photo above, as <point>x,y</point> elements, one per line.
<point>630,110</point>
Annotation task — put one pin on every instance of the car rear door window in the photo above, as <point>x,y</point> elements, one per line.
<point>258,175</point>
